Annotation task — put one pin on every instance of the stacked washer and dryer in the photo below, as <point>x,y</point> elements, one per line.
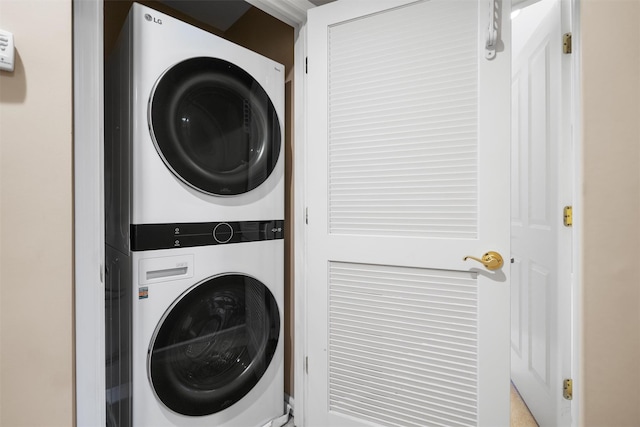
<point>194,172</point>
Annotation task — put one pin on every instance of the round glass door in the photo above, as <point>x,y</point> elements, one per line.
<point>214,126</point>
<point>213,345</point>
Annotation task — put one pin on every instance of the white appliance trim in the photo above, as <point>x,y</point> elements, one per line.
<point>299,226</point>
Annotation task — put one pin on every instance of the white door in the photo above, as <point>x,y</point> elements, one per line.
<point>408,172</point>
<point>541,279</point>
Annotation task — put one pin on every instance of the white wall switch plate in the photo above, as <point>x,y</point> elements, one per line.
<point>7,51</point>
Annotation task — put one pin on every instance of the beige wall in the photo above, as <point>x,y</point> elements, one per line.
<point>611,128</point>
<point>36,284</point>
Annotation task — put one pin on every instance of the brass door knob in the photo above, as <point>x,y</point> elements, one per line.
<point>491,260</point>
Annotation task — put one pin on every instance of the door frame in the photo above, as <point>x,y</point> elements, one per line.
<point>88,84</point>
<point>88,125</point>
<point>572,8</point>
<point>562,294</point>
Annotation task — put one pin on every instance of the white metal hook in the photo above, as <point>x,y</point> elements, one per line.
<point>492,32</point>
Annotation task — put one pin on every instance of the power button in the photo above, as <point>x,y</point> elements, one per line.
<point>222,232</point>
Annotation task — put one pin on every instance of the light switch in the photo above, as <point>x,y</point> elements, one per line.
<point>7,51</point>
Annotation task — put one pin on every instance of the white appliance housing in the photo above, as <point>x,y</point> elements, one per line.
<point>151,189</point>
<point>162,279</point>
<point>194,198</point>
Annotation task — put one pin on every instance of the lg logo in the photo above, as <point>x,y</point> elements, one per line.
<point>152,19</point>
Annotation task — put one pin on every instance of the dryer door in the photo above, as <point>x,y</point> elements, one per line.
<point>214,126</point>
<point>213,345</point>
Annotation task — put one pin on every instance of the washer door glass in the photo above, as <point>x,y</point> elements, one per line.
<point>213,345</point>
<point>214,126</point>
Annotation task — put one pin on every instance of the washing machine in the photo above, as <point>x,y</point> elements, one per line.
<point>198,128</point>
<point>208,335</point>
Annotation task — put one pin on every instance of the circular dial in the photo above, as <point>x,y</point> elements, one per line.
<point>214,126</point>
<point>222,232</point>
<point>214,344</point>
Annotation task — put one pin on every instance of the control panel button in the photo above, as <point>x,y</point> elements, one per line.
<point>223,232</point>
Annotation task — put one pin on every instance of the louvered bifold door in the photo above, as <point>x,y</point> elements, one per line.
<point>408,173</point>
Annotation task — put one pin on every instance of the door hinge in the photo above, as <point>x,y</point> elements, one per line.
<point>567,389</point>
<point>306,364</point>
<point>567,45</point>
<point>568,216</point>
<point>306,65</point>
<point>306,215</point>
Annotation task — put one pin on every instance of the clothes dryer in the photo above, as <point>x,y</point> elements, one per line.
<point>208,335</point>
<point>198,128</point>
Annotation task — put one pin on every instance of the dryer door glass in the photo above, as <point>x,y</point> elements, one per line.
<point>214,126</point>
<point>213,345</point>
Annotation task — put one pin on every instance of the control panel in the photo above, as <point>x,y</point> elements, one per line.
<point>7,51</point>
<point>146,237</point>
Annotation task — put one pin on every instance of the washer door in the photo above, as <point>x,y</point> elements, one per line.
<point>214,126</point>
<point>213,345</point>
